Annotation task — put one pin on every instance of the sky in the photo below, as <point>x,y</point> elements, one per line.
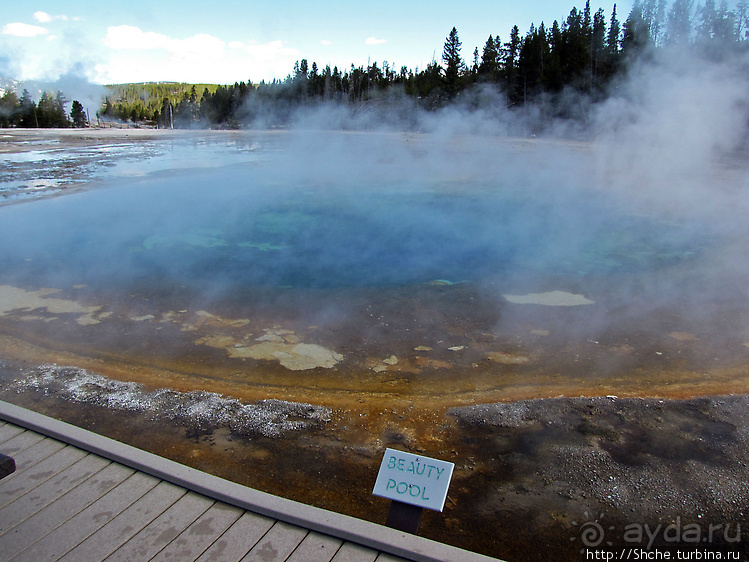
<point>247,40</point>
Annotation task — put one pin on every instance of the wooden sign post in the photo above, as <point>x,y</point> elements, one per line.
<point>7,465</point>
<point>413,483</point>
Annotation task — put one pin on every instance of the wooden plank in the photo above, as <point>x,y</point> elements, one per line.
<point>20,442</point>
<point>351,552</point>
<point>127,524</point>
<point>55,514</point>
<point>194,540</point>
<point>68,534</point>
<point>277,544</point>
<point>33,455</point>
<point>28,478</point>
<point>164,529</point>
<point>316,547</point>
<point>38,498</point>
<point>9,431</point>
<point>306,516</point>
<point>238,539</point>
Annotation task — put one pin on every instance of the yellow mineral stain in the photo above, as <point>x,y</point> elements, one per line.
<point>15,299</point>
<point>683,336</point>
<point>296,357</point>
<point>507,358</point>
<point>218,341</point>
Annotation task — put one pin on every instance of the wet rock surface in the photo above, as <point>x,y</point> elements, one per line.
<point>534,479</point>
<point>198,410</point>
<point>615,464</point>
<point>38,163</point>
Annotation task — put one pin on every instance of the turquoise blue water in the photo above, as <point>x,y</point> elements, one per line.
<point>235,227</point>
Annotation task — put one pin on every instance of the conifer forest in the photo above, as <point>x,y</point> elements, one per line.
<point>578,59</point>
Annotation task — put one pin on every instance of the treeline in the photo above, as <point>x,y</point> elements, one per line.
<point>582,54</point>
<point>145,101</point>
<point>49,112</point>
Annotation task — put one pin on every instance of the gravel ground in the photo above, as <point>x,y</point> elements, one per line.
<point>596,471</point>
<point>540,479</point>
<point>200,410</point>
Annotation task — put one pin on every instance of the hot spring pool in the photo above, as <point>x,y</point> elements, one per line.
<point>366,253</point>
<point>276,308</point>
<point>370,253</point>
<point>237,227</point>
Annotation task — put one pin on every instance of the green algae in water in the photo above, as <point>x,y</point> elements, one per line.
<point>638,244</point>
<point>392,238</point>
<point>362,235</point>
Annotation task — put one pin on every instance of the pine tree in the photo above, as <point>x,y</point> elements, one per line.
<point>45,111</point>
<point>489,66</point>
<point>533,63</point>
<point>511,55</point>
<point>612,39</point>
<point>553,73</point>
<point>167,114</point>
<point>576,55</point>
<point>636,37</point>
<point>59,117</point>
<point>77,114</point>
<point>716,24</point>
<point>597,43</point>
<point>587,21</point>
<point>28,111</point>
<point>9,109</point>
<point>678,22</point>
<point>454,65</point>
<point>742,21</point>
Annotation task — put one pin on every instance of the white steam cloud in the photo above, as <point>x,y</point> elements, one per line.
<point>186,59</point>
<point>670,132</point>
<point>24,30</point>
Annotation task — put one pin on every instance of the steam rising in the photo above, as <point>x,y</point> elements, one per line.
<point>674,133</point>
<point>660,190</point>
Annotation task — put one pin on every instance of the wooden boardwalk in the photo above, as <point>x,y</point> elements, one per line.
<point>78,496</point>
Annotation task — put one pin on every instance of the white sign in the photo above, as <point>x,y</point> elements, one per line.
<point>413,479</point>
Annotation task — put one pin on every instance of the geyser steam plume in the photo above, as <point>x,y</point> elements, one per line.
<point>662,182</point>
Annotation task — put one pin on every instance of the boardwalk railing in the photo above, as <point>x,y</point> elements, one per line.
<point>326,529</point>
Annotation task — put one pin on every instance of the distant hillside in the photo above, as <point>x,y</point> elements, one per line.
<point>150,91</point>
<point>142,101</point>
